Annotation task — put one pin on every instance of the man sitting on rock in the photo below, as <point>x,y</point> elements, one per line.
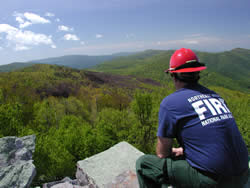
<point>212,152</point>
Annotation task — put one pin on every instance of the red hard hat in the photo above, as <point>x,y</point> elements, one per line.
<point>185,60</point>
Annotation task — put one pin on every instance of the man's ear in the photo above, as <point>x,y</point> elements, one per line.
<point>173,75</point>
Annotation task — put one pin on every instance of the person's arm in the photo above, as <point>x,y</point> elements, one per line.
<point>164,147</point>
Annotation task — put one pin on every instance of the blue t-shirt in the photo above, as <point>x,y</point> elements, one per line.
<point>205,128</point>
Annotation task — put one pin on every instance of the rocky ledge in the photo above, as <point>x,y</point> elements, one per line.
<point>16,167</point>
<point>113,168</point>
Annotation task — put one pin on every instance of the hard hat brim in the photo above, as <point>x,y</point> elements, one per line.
<point>190,69</point>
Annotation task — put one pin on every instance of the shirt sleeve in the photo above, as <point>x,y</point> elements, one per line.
<point>167,121</point>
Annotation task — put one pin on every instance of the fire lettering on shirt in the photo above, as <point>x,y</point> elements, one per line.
<point>213,105</point>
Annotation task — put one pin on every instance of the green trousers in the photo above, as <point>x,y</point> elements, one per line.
<point>154,172</point>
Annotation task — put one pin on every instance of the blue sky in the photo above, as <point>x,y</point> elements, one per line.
<point>36,29</point>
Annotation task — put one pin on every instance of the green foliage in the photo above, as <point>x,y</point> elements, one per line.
<point>144,130</point>
<point>10,119</point>
<point>1,96</point>
<point>47,114</point>
<point>50,111</point>
<point>51,158</point>
<point>60,148</point>
<point>142,107</point>
<point>114,98</point>
<point>113,126</point>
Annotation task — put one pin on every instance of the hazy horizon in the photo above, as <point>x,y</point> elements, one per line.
<point>50,57</point>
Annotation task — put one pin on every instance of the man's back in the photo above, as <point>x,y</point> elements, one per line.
<point>206,129</point>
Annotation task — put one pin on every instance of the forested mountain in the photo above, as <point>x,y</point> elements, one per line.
<point>229,69</point>
<point>73,61</point>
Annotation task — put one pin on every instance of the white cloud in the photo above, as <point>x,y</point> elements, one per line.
<point>83,43</point>
<point>35,19</point>
<point>64,28</point>
<point>70,37</point>
<point>19,19</point>
<point>57,20</point>
<point>49,14</point>
<point>26,19</point>
<point>24,40</point>
<point>53,46</point>
<point>6,28</point>
<point>29,38</point>
<point>1,48</point>
<point>98,36</point>
<point>22,23</point>
<point>25,24</point>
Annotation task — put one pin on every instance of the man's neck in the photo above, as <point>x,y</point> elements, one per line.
<point>179,85</point>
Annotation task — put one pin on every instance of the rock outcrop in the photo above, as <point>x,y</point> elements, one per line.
<point>111,168</point>
<point>16,167</point>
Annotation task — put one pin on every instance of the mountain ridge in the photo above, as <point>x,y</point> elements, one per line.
<point>66,60</point>
<point>73,61</point>
<point>231,68</point>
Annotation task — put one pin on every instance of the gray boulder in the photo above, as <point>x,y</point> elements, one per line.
<point>109,166</point>
<point>16,167</point>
